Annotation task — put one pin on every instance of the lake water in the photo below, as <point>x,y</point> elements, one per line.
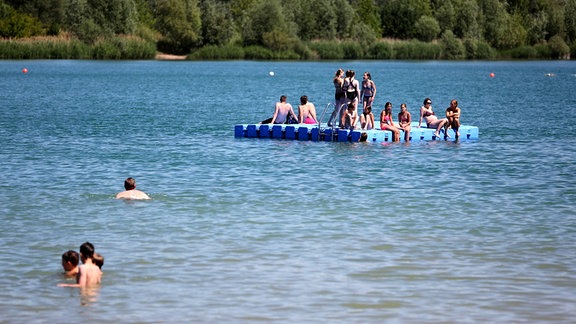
<point>252,230</point>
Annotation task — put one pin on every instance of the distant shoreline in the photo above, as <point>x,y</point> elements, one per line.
<point>169,57</point>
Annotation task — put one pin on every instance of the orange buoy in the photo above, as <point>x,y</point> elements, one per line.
<point>492,74</point>
<point>24,70</point>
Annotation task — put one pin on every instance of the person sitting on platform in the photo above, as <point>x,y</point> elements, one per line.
<point>453,116</point>
<point>350,117</point>
<point>404,120</point>
<point>367,118</point>
<point>306,112</point>
<point>387,123</point>
<point>281,112</point>
<point>431,120</point>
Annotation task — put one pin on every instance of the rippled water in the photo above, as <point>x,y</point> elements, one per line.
<point>248,230</point>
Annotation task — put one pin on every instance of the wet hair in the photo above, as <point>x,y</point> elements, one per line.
<point>129,184</point>
<point>71,256</point>
<point>303,100</point>
<point>427,100</point>
<point>87,250</point>
<point>363,137</point>
<point>98,260</point>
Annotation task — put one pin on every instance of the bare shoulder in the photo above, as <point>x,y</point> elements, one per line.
<point>132,194</point>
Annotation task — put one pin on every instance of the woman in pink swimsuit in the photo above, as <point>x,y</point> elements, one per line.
<point>386,122</point>
<point>306,112</point>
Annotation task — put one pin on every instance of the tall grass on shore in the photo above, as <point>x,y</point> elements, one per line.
<point>116,48</point>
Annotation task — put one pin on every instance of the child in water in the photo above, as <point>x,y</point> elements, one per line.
<point>70,263</point>
<point>89,274</point>
<point>98,260</point>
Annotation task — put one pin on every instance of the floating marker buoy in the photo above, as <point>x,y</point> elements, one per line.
<point>271,73</point>
<point>492,74</point>
<point>24,70</point>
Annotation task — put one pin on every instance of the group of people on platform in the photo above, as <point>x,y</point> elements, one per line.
<point>284,113</point>
<point>349,93</point>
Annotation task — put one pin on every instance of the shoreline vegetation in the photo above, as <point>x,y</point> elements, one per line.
<point>288,30</point>
<point>135,48</point>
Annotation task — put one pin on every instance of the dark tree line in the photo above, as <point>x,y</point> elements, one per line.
<point>183,26</point>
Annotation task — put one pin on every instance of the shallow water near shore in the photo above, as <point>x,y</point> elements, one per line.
<point>253,230</point>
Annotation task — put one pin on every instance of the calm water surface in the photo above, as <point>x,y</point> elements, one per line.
<point>250,230</point>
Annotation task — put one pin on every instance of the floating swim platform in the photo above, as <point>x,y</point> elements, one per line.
<point>323,132</point>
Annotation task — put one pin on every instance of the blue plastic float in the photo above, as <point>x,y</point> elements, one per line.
<point>322,132</point>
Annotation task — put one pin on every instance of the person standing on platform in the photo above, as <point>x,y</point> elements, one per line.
<point>352,89</point>
<point>339,98</point>
<point>368,92</point>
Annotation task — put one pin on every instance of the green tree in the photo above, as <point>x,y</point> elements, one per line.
<point>345,18</point>
<point>312,19</point>
<point>570,21</point>
<point>558,48</point>
<point>217,23</point>
<point>426,28</point>
<point>502,30</point>
<point>91,19</point>
<point>468,25</point>
<point>16,25</point>
<point>266,16</point>
<point>536,25</point>
<point>446,15</point>
<point>80,23</point>
<point>453,48</point>
<point>398,16</point>
<point>368,14</point>
<point>179,22</point>
<point>555,13</point>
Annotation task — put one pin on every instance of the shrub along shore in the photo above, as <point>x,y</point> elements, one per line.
<point>136,48</point>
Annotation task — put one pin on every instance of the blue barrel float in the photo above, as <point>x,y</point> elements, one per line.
<point>306,132</point>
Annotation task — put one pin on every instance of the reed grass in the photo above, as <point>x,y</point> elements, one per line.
<point>48,47</point>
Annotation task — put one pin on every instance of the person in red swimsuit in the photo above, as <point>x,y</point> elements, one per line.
<point>386,122</point>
